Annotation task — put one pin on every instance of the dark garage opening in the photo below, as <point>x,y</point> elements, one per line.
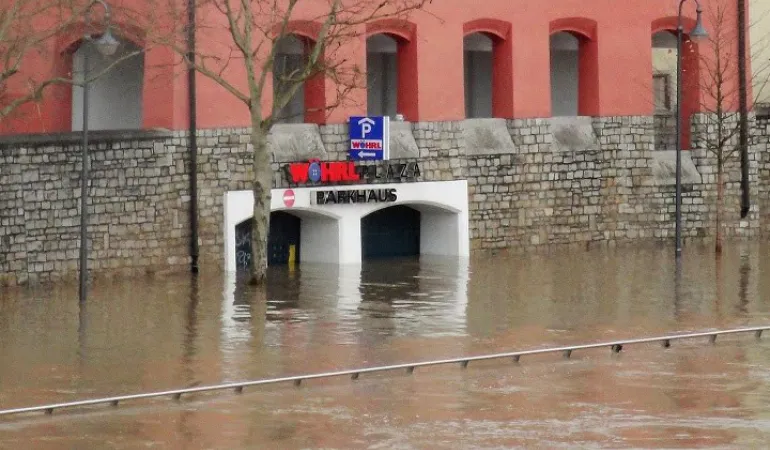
<point>391,232</point>
<point>284,234</point>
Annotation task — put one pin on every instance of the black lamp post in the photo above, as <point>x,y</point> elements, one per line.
<point>107,45</point>
<point>697,32</point>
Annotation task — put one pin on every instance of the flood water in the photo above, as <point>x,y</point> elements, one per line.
<point>163,333</point>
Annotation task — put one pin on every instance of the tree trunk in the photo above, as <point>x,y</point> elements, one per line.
<point>263,183</point>
<point>720,207</point>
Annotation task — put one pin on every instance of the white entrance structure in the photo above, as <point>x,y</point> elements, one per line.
<point>331,233</point>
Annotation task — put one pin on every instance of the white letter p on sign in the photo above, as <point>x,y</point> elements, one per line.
<point>366,126</point>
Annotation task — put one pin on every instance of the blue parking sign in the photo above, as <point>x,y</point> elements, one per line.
<point>369,138</point>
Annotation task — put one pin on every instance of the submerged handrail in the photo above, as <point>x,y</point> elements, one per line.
<point>614,346</point>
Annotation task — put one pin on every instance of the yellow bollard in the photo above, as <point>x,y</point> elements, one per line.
<point>292,257</point>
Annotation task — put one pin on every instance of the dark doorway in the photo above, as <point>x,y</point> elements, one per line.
<point>391,232</point>
<point>283,236</point>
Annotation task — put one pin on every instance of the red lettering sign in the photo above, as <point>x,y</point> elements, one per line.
<point>315,171</point>
<point>352,175</point>
<point>299,172</point>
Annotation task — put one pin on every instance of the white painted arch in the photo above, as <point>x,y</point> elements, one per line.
<point>332,233</point>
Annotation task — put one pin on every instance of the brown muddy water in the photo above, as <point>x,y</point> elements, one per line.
<point>164,333</point>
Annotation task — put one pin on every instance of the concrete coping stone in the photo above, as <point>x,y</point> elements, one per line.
<point>487,137</point>
<point>664,168</point>
<point>296,142</point>
<point>573,134</point>
<point>402,143</point>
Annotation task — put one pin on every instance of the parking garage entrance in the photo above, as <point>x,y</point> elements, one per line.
<point>352,223</point>
<point>390,232</point>
<point>283,240</point>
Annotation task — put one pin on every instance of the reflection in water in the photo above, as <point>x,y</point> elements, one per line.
<point>743,287</point>
<point>162,333</point>
<point>678,273</point>
<point>189,349</point>
<point>82,328</point>
<point>409,295</point>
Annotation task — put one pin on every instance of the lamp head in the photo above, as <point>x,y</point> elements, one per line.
<point>698,32</point>
<point>107,44</point>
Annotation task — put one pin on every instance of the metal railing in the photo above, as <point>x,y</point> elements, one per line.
<point>238,387</point>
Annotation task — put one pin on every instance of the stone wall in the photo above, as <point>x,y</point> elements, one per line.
<point>705,144</point>
<point>138,197</point>
<point>531,182</point>
<point>760,192</point>
<point>665,130</point>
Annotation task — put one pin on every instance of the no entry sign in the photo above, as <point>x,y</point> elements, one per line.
<point>288,198</point>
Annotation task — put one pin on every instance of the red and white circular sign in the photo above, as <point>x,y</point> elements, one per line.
<point>288,198</point>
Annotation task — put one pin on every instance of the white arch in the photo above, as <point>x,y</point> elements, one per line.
<point>319,229</point>
<point>306,212</point>
<point>332,233</point>
<point>422,206</point>
<point>440,226</point>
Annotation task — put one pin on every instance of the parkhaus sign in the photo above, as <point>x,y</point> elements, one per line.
<point>315,172</point>
<point>341,197</point>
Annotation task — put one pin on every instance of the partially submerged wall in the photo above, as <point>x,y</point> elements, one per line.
<point>760,192</point>
<point>531,182</point>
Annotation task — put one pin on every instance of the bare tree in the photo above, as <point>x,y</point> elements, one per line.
<point>719,128</point>
<point>254,29</point>
<point>28,29</point>
<point>26,26</point>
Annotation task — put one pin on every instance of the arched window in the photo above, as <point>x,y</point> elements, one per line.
<point>391,72</point>
<point>664,82</point>
<point>664,71</point>
<point>488,68</point>
<point>478,62</point>
<point>289,61</point>
<point>115,95</point>
<point>565,73</point>
<point>306,100</point>
<point>663,87</point>
<point>574,67</point>
<point>382,76</point>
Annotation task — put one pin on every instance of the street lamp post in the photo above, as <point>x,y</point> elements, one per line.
<point>697,32</point>
<point>107,45</point>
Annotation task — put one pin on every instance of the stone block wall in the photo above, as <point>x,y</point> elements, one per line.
<point>665,131</point>
<point>587,180</point>
<point>138,201</point>
<point>760,191</point>
<point>706,143</point>
<point>132,222</point>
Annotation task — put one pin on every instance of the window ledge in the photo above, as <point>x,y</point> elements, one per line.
<point>664,164</point>
<point>487,137</point>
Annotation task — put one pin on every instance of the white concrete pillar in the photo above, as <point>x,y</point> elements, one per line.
<point>350,239</point>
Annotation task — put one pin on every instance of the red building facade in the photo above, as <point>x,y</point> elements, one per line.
<point>611,47</point>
